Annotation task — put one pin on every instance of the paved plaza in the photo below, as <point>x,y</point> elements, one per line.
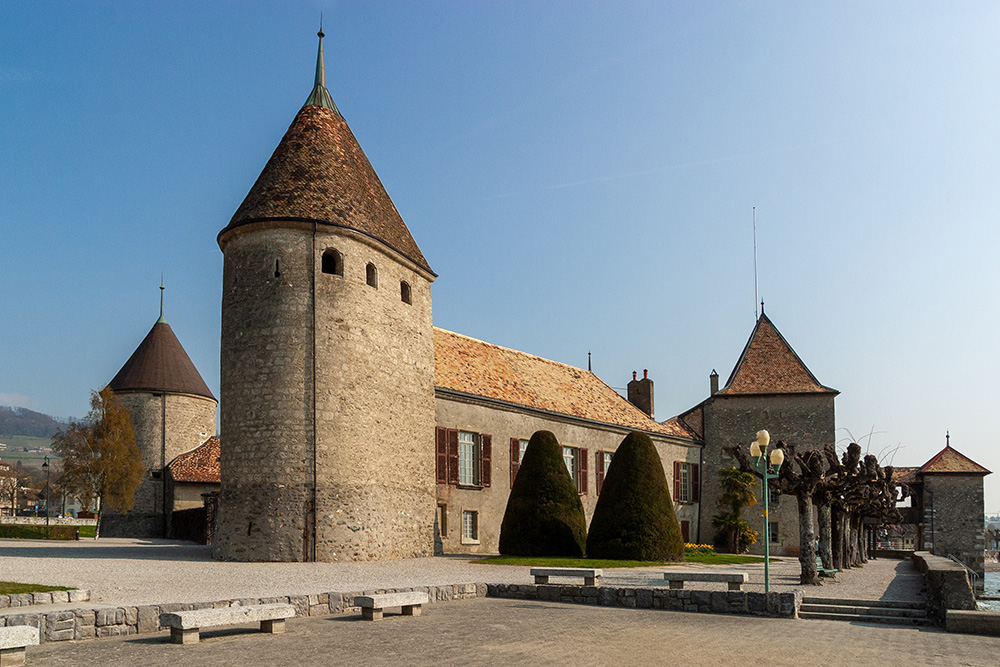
<point>470,632</point>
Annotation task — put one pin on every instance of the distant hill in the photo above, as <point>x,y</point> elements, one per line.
<point>22,421</point>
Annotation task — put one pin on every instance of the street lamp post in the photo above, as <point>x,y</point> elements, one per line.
<point>48,492</point>
<point>759,459</point>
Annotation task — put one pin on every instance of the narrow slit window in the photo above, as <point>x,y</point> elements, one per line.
<point>333,262</point>
<point>371,275</point>
<point>277,269</point>
<point>404,292</point>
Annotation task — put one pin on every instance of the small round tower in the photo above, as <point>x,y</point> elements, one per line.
<point>173,411</point>
<point>327,359</point>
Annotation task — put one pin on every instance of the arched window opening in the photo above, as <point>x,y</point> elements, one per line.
<point>371,275</point>
<point>404,291</point>
<point>333,262</point>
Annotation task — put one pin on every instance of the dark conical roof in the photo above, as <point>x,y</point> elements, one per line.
<point>318,173</point>
<point>160,364</point>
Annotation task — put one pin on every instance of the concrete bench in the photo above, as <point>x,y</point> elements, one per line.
<point>185,626</point>
<point>678,577</point>
<point>590,575</point>
<point>13,640</point>
<point>408,601</point>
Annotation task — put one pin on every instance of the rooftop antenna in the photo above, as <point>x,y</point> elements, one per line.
<point>161,300</point>
<point>755,297</point>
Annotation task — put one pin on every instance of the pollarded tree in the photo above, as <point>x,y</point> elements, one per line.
<point>634,518</point>
<point>101,461</point>
<point>544,515</point>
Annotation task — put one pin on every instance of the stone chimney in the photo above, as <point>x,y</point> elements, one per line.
<point>714,380</point>
<point>640,392</point>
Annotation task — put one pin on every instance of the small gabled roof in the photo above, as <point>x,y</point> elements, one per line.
<point>951,461</point>
<point>160,364</point>
<point>200,465</point>
<point>476,368</point>
<point>769,365</point>
<point>319,174</point>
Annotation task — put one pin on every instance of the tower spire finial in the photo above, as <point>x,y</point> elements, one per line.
<point>161,300</point>
<point>320,96</point>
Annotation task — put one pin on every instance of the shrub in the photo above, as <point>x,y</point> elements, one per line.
<point>634,518</point>
<point>544,515</point>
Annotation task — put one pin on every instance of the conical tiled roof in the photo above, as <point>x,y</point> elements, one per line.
<point>769,365</point>
<point>949,460</point>
<point>160,364</point>
<point>318,173</point>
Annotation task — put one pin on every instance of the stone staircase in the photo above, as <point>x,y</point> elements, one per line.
<point>868,611</point>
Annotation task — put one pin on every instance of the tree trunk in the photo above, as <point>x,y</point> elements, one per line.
<point>840,560</point>
<point>100,513</point>
<point>807,542</point>
<point>855,524</point>
<point>825,536</point>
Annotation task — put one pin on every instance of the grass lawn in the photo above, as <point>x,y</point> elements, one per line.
<point>705,558</point>
<point>13,588</point>
<point>87,531</point>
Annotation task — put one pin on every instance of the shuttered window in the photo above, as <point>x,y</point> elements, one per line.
<point>686,482</point>
<point>517,447</point>
<point>601,462</point>
<point>463,458</point>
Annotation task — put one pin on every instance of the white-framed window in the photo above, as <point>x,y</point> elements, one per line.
<point>468,458</point>
<point>524,447</point>
<point>470,527</point>
<point>772,528</point>
<point>686,482</point>
<point>571,457</point>
<point>773,497</point>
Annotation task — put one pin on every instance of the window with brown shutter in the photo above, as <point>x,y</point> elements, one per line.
<point>583,471</point>
<point>515,459</point>
<point>453,456</point>
<point>441,447</point>
<point>677,481</point>
<point>695,483</point>
<point>486,459</point>
<point>599,469</point>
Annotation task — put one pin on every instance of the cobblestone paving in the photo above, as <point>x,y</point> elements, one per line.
<point>491,631</point>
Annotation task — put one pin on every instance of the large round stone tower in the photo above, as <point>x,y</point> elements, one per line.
<point>173,411</point>
<point>327,418</point>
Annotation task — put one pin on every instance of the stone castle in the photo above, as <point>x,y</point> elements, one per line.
<point>353,429</point>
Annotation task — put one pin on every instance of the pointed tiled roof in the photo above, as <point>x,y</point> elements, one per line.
<point>319,174</point>
<point>769,365</point>
<point>950,460</point>
<point>160,364</point>
<point>201,464</point>
<point>473,367</point>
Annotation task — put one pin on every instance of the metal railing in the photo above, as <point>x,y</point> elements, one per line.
<point>974,578</point>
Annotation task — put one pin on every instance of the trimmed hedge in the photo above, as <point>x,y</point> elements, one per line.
<point>544,515</point>
<point>634,518</point>
<point>37,532</point>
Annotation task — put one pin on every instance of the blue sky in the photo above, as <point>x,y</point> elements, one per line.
<point>581,175</point>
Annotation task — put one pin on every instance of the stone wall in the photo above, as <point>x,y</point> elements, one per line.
<point>362,486</point>
<point>805,421</point>
<point>504,422</point>
<point>946,584</point>
<point>953,520</point>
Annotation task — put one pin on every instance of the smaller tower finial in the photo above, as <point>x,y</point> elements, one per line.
<point>588,362</point>
<point>320,96</point>
<point>947,439</point>
<point>762,306</point>
<point>161,300</point>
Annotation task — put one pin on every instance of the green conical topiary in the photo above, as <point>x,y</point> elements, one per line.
<point>634,518</point>
<point>544,514</point>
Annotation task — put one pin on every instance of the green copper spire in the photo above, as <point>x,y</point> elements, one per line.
<point>320,96</point>
<point>161,302</point>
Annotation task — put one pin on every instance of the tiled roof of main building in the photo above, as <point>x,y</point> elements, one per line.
<point>469,366</point>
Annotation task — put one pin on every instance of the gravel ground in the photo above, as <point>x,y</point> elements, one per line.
<point>134,572</point>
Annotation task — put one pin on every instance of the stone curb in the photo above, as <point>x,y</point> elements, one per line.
<point>34,599</point>
<point>84,623</point>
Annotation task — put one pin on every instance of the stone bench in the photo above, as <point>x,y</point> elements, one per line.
<point>408,601</point>
<point>678,577</point>
<point>13,640</point>
<point>185,626</point>
<point>590,575</point>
